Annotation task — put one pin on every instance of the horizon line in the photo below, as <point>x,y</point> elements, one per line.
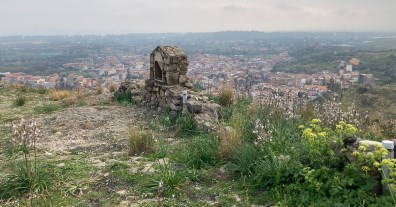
<point>148,33</point>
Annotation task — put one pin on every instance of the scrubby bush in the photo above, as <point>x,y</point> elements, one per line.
<point>139,141</point>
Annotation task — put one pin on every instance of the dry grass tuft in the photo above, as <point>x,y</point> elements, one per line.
<point>70,101</point>
<point>229,140</point>
<point>252,110</point>
<point>227,96</point>
<point>99,90</point>
<point>140,141</point>
<point>56,95</point>
<point>113,88</point>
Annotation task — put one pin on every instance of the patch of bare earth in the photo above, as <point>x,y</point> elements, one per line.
<point>89,129</point>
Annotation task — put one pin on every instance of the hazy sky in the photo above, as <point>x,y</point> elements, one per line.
<point>32,17</point>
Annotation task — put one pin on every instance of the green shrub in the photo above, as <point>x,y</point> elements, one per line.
<point>20,101</point>
<point>199,152</point>
<point>123,97</point>
<point>139,141</point>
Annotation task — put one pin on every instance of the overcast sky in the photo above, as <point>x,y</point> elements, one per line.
<point>49,17</point>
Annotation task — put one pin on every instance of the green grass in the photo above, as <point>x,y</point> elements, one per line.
<point>21,182</point>
<point>140,141</point>
<point>198,152</point>
<point>20,101</point>
<point>187,126</point>
<point>48,108</point>
<point>123,97</point>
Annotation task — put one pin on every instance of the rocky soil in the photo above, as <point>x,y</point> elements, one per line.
<point>89,129</point>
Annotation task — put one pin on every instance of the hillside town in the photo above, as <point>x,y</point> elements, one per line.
<point>208,72</point>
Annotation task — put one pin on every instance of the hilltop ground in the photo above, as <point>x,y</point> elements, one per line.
<point>87,145</point>
<point>99,149</point>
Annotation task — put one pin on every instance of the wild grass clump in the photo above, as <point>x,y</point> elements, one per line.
<point>187,126</point>
<point>56,95</point>
<point>99,90</point>
<point>70,101</point>
<point>113,88</point>
<point>166,182</point>
<point>199,152</point>
<point>226,97</point>
<point>19,101</point>
<point>229,140</point>
<point>245,159</point>
<point>139,141</point>
<point>47,108</point>
<point>41,90</point>
<point>27,175</point>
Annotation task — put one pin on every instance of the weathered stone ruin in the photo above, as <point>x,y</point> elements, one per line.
<point>168,66</point>
<point>169,81</point>
<point>168,78</point>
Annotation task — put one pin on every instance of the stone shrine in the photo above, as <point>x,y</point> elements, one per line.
<point>169,81</point>
<point>168,65</point>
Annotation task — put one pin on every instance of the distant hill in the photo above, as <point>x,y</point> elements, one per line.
<point>381,63</point>
<point>379,101</point>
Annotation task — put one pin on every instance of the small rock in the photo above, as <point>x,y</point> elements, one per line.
<point>133,170</point>
<point>194,106</point>
<point>121,192</point>
<point>237,198</point>
<point>106,174</point>
<point>207,126</point>
<point>101,164</point>
<point>61,164</point>
<point>48,154</point>
<point>148,169</point>
<point>132,198</point>
<point>163,161</point>
<point>149,200</point>
<point>124,204</point>
<point>188,85</point>
<point>98,163</point>
<point>136,158</point>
